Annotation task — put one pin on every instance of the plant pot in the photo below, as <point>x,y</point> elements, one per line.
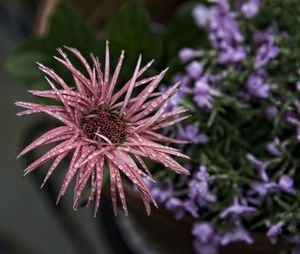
<point>169,235</point>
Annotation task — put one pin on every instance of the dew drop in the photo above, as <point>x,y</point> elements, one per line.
<point>151,88</point>
<point>154,103</point>
<point>164,96</point>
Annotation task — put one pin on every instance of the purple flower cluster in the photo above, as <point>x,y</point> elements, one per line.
<point>176,98</point>
<point>260,190</point>
<point>199,195</point>
<point>199,189</point>
<point>276,148</point>
<point>244,61</point>
<point>208,237</point>
<point>223,32</point>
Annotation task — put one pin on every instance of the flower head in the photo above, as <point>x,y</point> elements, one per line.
<point>236,210</point>
<point>206,238</point>
<point>250,8</point>
<point>105,127</point>
<point>257,87</point>
<point>287,184</point>
<point>274,231</point>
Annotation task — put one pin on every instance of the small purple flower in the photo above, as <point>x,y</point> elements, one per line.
<point>185,81</point>
<point>250,8</point>
<point>161,192</point>
<point>187,54</point>
<point>191,207</point>
<point>259,190</point>
<point>216,79</point>
<point>204,94</point>
<point>298,85</point>
<point>236,210</point>
<point>224,33</point>
<point>287,184</point>
<point>190,133</point>
<point>203,231</point>
<point>256,86</point>
<point>199,189</point>
<point>207,240</point>
<point>238,234</point>
<point>195,69</point>
<point>203,15</point>
<point>275,148</point>
<point>232,55</point>
<point>259,165</point>
<point>265,53</point>
<point>175,204</point>
<point>262,37</point>
<point>174,100</point>
<point>274,231</point>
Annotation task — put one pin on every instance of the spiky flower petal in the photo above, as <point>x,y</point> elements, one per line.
<point>101,128</point>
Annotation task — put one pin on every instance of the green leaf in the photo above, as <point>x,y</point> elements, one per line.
<point>182,31</point>
<point>66,27</point>
<point>130,30</point>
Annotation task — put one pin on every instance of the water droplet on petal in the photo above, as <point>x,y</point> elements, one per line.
<point>164,96</point>
<point>154,103</point>
<point>151,88</point>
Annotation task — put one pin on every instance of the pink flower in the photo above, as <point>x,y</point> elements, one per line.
<point>101,128</point>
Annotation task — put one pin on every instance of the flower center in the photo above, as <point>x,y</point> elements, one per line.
<point>102,125</point>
